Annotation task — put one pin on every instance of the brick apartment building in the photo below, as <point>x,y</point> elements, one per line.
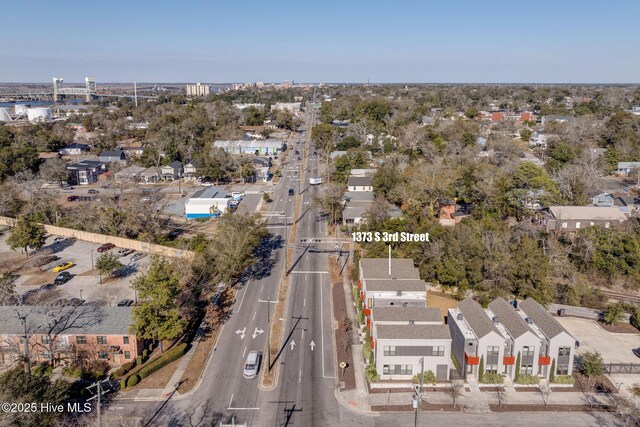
<point>65,334</point>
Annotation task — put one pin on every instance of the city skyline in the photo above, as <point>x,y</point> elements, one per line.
<point>409,41</point>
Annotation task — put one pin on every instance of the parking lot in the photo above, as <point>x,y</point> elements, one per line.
<point>84,284</point>
<point>614,347</point>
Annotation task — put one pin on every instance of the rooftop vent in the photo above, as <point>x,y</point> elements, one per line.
<point>459,316</point>
<point>496,320</point>
<point>528,320</point>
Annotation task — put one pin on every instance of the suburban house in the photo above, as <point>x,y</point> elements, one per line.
<point>292,107</point>
<point>74,149</point>
<point>263,147</point>
<point>85,172</point>
<point>129,174</point>
<point>112,156</point>
<point>559,345</point>
<point>475,338</point>
<point>523,345</point>
<point>603,200</point>
<point>172,171</point>
<point>540,139</point>
<point>68,333</point>
<point>572,218</point>
<point>399,348</point>
<point>628,205</point>
<point>362,172</point>
<point>625,168</point>
<point>151,174</point>
<point>261,166</point>
<point>210,202</point>
<point>360,183</point>
<point>556,118</point>
<point>189,171</point>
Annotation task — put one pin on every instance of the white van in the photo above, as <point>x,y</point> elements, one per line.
<point>251,365</point>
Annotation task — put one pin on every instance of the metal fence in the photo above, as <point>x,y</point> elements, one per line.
<point>621,368</point>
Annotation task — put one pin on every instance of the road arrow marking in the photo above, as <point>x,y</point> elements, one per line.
<point>293,344</point>
<point>313,345</point>
<point>241,332</point>
<point>256,333</point>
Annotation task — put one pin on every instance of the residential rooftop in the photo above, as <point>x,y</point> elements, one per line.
<point>542,318</point>
<point>211,193</point>
<point>406,285</point>
<point>406,314</point>
<point>413,332</point>
<point>477,318</point>
<point>586,213</point>
<point>506,313</point>
<point>378,268</point>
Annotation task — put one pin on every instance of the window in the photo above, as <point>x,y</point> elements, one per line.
<point>493,351</point>
<point>127,355</point>
<point>578,224</point>
<point>564,225</point>
<point>46,339</point>
<point>389,350</point>
<point>607,225</point>
<point>492,369</point>
<point>81,339</point>
<point>527,351</point>
<point>564,351</point>
<point>562,370</point>
<point>526,369</point>
<point>102,339</point>
<point>103,355</point>
<point>125,340</point>
<point>386,370</point>
<point>438,350</point>
<point>406,369</point>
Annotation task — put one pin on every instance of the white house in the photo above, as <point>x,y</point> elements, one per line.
<point>539,139</point>
<point>172,171</point>
<point>560,344</point>
<point>74,149</point>
<point>399,348</point>
<point>210,202</point>
<point>625,168</point>
<point>360,183</point>
<point>189,171</point>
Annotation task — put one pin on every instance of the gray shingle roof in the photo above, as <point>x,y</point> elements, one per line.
<point>542,318</point>
<point>210,193</point>
<point>401,314</point>
<point>84,319</point>
<point>378,268</point>
<point>515,325</point>
<point>477,318</point>
<point>413,332</point>
<point>378,285</point>
<point>360,180</point>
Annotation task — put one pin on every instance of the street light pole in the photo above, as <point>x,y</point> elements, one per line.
<point>417,398</point>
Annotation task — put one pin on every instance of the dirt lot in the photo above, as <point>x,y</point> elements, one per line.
<point>441,301</point>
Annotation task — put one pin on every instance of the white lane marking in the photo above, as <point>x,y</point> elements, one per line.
<point>322,330</point>
<point>309,272</point>
<point>231,400</point>
<point>241,332</point>
<point>264,300</point>
<point>254,315</point>
<point>242,300</point>
<point>302,335</point>
<point>261,286</point>
<point>293,344</point>
<point>243,352</point>
<point>300,377</point>
<point>304,302</point>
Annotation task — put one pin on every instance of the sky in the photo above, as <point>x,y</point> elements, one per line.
<point>353,41</point>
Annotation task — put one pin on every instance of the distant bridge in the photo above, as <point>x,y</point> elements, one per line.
<point>88,91</point>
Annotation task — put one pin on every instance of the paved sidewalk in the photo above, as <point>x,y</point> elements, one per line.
<point>174,382</point>
<point>356,399</point>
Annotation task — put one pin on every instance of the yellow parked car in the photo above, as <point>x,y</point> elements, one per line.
<point>62,267</point>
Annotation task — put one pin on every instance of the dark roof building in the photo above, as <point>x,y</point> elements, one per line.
<point>477,318</point>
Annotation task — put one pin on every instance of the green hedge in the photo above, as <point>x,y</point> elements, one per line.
<point>428,378</point>
<point>371,373</point>
<point>563,379</point>
<point>133,380</point>
<point>122,370</point>
<point>162,361</point>
<point>367,352</point>
<point>528,379</point>
<point>491,378</point>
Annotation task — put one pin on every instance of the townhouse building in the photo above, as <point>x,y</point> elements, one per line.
<point>476,338</point>
<point>523,345</point>
<point>559,345</point>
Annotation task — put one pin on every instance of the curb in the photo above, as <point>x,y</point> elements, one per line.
<point>346,405</point>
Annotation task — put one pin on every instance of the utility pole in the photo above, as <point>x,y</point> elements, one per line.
<point>99,392</point>
<point>417,398</point>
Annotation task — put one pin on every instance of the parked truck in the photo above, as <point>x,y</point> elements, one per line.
<point>315,181</point>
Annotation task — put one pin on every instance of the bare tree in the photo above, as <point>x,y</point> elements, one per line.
<point>454,390</point>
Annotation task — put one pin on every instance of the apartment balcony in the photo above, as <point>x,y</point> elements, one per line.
<point>471,360</point>
<point>509,360</point>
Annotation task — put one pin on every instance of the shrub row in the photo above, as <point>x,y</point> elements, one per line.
<point>563,379</point>
<point>156,364</point>
<point>126,367</point>
<point>491,378</point>
<point>528,379</point>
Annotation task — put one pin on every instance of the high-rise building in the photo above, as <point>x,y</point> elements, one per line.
<point>198,90</point>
